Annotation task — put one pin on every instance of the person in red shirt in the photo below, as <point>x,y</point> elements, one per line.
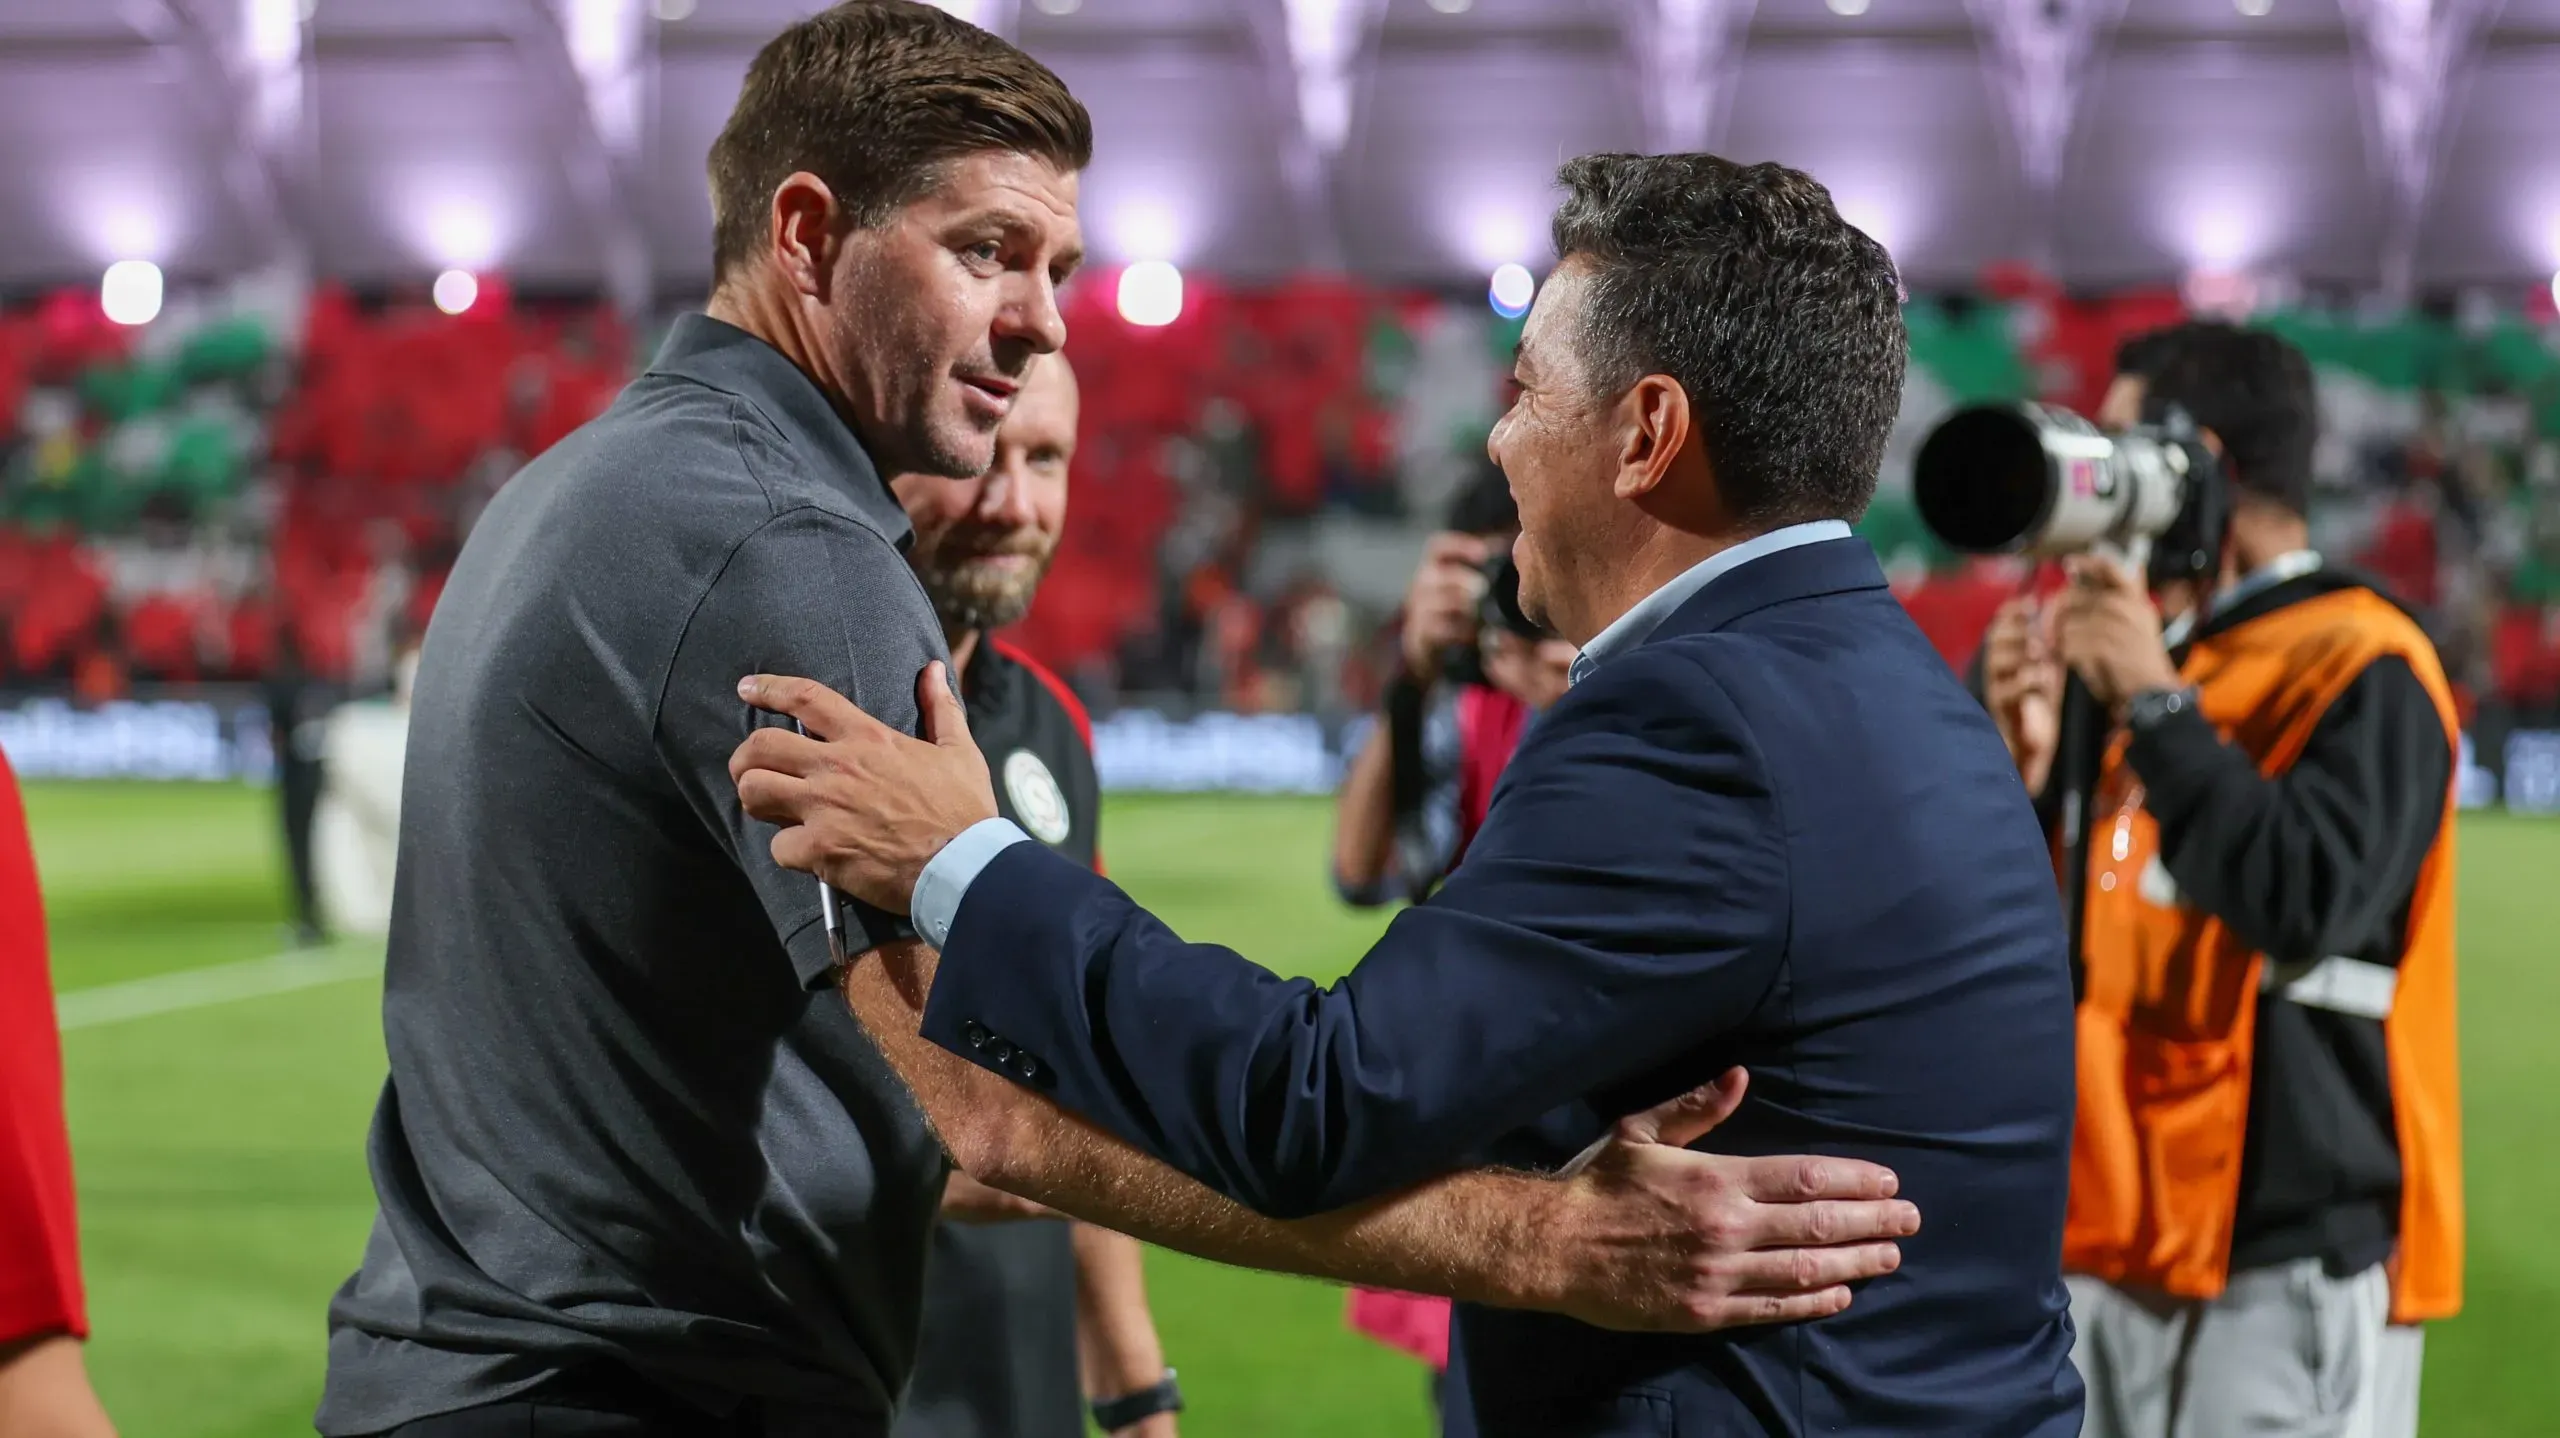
<point>44,1387</point>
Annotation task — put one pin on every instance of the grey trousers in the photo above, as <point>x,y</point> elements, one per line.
<point>2285,1352</point>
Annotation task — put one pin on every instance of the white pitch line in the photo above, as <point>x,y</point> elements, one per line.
<point>214,984</point>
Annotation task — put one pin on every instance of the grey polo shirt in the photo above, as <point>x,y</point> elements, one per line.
<point>628,1118</point>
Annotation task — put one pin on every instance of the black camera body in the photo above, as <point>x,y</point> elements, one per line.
<point>1498,610</point>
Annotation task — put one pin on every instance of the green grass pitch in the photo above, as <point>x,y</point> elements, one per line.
<point>223,1190</point>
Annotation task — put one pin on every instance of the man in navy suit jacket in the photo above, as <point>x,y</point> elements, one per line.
<point>1766,828</point>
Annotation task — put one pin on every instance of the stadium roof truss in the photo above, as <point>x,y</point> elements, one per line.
<point>2377,145</point>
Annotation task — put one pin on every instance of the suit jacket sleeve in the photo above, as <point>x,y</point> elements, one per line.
<point>1625,903</point>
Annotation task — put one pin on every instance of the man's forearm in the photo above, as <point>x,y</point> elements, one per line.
<point>965,1200</point>
<point>1116,1343</point>
<point>45,1392</point>
<point>1478,1236</point>
<point>1473,1236</point>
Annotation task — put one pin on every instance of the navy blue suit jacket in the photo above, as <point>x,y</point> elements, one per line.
<point>1777,833</point>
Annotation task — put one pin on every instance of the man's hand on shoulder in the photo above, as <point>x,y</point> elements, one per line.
<point>1649,1235</point>
<point>860,804</point>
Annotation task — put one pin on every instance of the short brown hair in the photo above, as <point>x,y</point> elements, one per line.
<point>1781,319</point>
<point>875,97</point>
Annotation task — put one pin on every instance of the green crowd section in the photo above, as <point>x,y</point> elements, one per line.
<point>179,428</point>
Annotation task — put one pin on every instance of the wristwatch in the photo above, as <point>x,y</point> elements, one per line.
<point>2151,708</point>
<point>1113,1414</point>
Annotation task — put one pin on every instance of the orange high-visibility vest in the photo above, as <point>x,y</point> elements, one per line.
<point>2169,1009</point>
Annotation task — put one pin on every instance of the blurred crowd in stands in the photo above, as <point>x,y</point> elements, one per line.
<point>269,480</point>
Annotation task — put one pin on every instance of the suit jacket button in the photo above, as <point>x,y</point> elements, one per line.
<point>976,1033</point>
<point>1027,1066</point>
<point>1001,1052</point>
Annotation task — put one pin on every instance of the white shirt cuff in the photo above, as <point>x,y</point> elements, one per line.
<point>948,875</point>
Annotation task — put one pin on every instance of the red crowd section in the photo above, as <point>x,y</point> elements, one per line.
<point>378,430</point>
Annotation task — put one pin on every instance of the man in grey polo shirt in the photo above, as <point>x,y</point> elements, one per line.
<point>640,1171</point>
<point>621,1135</point>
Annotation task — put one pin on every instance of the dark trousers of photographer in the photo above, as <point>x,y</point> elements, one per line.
<point>2266,1192</point>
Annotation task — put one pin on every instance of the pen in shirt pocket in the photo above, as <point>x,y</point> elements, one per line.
<point>830,910</point>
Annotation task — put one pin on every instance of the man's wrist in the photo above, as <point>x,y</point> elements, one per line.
<point>2146,709</point>
<point>1122,1357</point>
<point>1128,1409</point>
<point>946,878</point>
<point>1538,1232</point>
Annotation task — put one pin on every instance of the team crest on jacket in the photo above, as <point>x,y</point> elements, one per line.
<point>1037,800</point>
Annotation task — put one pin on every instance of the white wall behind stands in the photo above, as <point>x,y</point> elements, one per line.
<point>49,738</point>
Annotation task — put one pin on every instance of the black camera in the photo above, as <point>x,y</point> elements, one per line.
<point>1498,610</point>
<point>2038,480</point>
<point>1501,607</point>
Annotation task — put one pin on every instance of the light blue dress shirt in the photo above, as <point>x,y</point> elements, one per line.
<point>1636,625</point>
<point>947,877</point>
<point>2282,569</point>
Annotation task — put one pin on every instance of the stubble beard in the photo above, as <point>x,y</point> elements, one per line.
<point>961,451</point>
<point>913,441</point>
<point>972,594</point>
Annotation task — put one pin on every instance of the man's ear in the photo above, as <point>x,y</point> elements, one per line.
<point>1656,421</point>
<point>2235,494</point>
<point>807,233</point>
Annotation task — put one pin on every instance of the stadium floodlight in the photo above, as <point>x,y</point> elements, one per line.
<point>1512,290</point>
<point>456,291</point>
<point>271,31</point>
<point>130,292</point>
<point>1151,293</point>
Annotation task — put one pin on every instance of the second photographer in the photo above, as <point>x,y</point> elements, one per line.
<point>1472,671</point>
<point>2266,1183</point>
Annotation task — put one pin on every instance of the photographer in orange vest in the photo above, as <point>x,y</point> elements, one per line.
<point>2266,1191</point>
